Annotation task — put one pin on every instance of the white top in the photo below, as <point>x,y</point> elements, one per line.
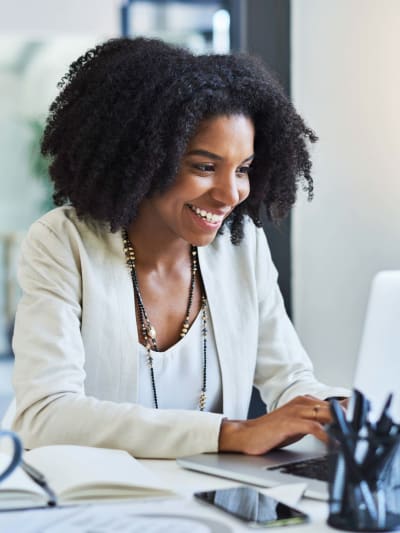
<point>178,372</point>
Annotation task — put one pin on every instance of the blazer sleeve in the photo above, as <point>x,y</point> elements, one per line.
<point>283,369</point>
<point>49,375</point>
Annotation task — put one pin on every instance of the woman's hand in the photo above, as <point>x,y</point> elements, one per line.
<point>301,416</point>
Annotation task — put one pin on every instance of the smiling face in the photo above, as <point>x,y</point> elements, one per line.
<point>211,182</point>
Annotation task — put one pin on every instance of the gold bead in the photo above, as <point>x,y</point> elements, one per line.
<point>202,400</point>
<point>151,331</point>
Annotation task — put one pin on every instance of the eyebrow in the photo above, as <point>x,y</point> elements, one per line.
<point>215,157</point>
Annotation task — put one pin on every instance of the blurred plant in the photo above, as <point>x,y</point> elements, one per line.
<point>39,163</point>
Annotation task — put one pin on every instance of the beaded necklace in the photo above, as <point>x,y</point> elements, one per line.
<point>148,330</point>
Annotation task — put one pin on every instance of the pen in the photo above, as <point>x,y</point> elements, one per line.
<point>40,480</point>
<point>345,435</point>
<point>385,421</point>
<point>380,437</point>
<point>361,408</point>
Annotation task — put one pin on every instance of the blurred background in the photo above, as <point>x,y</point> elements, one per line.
<point>338,61</point>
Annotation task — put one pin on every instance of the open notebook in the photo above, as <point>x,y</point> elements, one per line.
<point>78,474</point>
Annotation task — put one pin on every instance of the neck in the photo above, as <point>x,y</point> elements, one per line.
<point>158,250</point>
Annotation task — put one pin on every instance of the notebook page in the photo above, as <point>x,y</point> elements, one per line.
<point>68,467</point>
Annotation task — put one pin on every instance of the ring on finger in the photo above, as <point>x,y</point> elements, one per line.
<point>316,409</point>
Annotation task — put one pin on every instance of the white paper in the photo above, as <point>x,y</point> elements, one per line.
<point>101,520</point>
<point>289,494</point>
<point>110,519</point>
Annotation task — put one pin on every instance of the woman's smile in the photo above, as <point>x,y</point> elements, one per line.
<point>209,216</point>
<point>205,219</point>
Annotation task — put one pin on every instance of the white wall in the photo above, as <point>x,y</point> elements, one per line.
<point>44,18</point>
<point>345,82</point>
<point>58,32</point>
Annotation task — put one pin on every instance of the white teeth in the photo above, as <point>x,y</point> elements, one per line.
<point>210,217</point>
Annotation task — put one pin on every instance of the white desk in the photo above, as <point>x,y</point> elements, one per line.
<point>184,483</point>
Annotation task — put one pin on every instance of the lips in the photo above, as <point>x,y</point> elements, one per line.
<point>209,216</point>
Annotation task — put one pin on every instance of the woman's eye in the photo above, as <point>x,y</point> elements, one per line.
<point>243,170</point>
<point>204,167</point>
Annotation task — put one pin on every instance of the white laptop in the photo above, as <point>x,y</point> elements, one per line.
<point>377,374</point>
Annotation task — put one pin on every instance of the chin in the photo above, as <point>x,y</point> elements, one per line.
<point>203,240</point>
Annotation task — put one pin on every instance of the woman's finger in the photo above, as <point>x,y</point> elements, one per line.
<point>318,412</point>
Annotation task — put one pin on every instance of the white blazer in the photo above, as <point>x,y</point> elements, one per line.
<point>76,344</point>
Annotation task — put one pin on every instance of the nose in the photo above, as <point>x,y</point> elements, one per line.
<point>227,189</point>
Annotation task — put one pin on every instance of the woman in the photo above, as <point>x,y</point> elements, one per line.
<point>150,304</point>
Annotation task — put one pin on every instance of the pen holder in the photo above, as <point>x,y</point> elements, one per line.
<point>364,483</point>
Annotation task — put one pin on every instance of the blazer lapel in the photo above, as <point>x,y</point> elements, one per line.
<point>126,321</point>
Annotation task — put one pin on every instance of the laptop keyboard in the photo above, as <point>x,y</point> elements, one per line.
<point>315,468</point>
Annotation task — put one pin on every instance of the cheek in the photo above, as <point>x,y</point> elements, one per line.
<point>244,190</point>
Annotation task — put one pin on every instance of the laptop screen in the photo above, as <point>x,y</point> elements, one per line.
<point>378,366</point>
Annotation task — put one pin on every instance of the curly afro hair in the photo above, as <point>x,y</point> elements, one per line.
<point>127,110</point>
